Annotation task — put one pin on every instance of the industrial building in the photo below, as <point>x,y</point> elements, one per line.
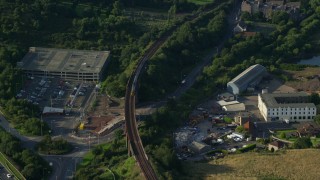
<point>84,65</point>
<point>248,78</point>
<point>286,107</point>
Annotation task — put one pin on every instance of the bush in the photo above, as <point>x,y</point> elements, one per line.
<point>302,143</point>
<point>247,148</point>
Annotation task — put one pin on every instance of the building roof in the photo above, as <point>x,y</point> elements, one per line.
<point>249,74</point>
<point>234,107</point>
<point>48,110</point>
<point>198,146</point>
<point>224,103</point>
<point>293,100</point>
<point>64,60</point>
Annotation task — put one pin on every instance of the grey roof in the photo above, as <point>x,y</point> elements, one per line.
<point>270,99</point>
<point>248,75</point>
<point>64,60</point>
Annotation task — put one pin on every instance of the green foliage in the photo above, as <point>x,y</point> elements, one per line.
<point>31,164</point>
<point>317,119</point>
<point>247,148</point>
<point>283,135</point>
<point>56,146</point>
<point>315,98</point>
<point>302,143</point>
<point>227,119</point>
<point>240,129</point>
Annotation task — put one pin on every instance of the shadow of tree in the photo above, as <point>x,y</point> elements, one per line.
<point>203,170</point>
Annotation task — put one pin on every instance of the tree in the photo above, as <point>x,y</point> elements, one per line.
<point>240,129</point>
<point>315,98</point>
<point>283,135</point>
<point>302,143</point>
<point>317,119</point>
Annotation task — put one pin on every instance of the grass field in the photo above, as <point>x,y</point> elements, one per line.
<point>292,164</point>
<point>200,2</point>
<point>10,168</point>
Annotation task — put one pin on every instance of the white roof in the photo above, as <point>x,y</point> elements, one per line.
<point>235,107</point>
<point>224,103</point>
<point>47,110</point>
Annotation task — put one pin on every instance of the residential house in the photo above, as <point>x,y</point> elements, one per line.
<point>242,117</point>
<point>240,27</point>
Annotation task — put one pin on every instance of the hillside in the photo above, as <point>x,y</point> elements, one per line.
<point>292,164</point>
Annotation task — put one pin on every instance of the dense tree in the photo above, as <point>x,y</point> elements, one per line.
<point>302,143</point>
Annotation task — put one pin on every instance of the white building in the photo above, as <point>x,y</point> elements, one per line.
<point>248,78</point>
<point>286,107</point>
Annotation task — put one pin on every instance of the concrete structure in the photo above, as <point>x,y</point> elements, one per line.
<point>286,107</point>
<point>226,96</point>
<point>52,111</point>
<point>248,78</point>
<point>65,63</point>
<point>234,107</point>
<point>275,145</point>
<point>242,117</point>
<point>225,103</point>
<point>199,147</point>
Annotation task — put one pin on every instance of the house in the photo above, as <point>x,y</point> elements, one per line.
<point>308,130</point>
<point>275,145</point>
<point>242,117</point>
<point>246,7</point>
<point>249,126</point>
<point>240,27</point>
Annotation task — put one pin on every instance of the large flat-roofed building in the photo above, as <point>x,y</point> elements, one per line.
<point>286,107</point>
<point>248,78</point>
<point>73,64</point>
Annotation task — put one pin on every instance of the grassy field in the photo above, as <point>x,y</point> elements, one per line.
<point>292,164</point>
<point>200,2</point>
<point>10,168</point>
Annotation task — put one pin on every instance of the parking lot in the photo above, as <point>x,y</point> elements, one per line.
<point>71,96</point>
<point>55,92</point>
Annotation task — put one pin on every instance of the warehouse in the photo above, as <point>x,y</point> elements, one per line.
<point>287,107</point>
<point>248,78</point>
<point>71,64</point>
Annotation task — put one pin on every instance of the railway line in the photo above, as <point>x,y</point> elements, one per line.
<point>130,116</point>
<point>133,139</point>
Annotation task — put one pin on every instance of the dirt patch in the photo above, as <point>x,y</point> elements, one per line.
<point>306,80</point>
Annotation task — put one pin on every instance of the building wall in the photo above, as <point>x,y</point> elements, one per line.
<point>282,113</point>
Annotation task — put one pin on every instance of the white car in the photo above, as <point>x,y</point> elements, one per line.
<point>9,175</point>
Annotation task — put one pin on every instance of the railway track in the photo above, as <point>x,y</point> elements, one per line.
<point>134,141</point>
